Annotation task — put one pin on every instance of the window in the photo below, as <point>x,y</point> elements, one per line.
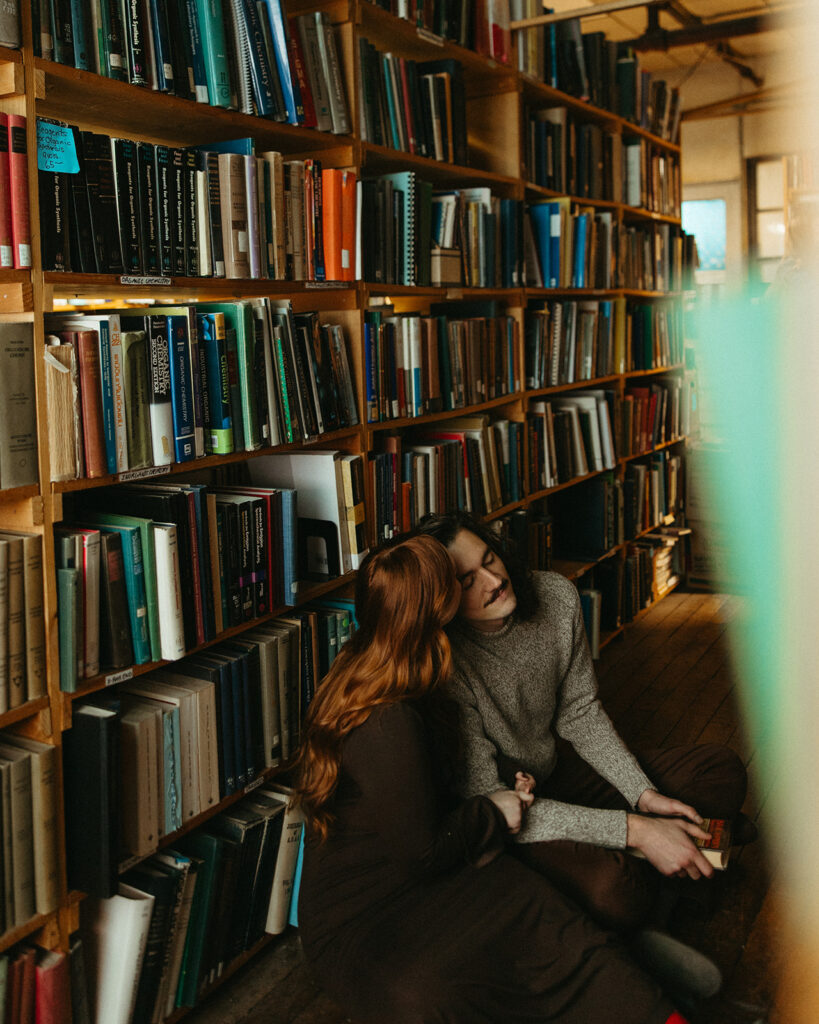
<point>766,217</point>
<point>706,220</point>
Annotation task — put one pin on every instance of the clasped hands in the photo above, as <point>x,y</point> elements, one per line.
<point>513,803</point>
<point>664,832</point>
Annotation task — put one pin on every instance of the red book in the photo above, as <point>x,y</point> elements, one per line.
<point>331,182</point>
<point>18,190</point>
<point>6,245</point>
<point>348,218</point>
<point>88,361</point>
<point>52,993</point>
<point>297,64</point>
<point>28,956</point>
<point>408,118</point>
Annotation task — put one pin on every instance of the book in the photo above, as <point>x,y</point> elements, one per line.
<point>17,815</point>
<point>282,891</point>
<point>52,995</point>
<point>115,930</point>
<point>18,427</point>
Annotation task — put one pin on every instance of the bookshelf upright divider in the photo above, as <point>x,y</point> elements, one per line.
<point>499,102</point>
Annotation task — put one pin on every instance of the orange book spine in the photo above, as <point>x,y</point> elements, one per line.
<point>332,223</point>
<point>18,190</point>
<point>88,358</point>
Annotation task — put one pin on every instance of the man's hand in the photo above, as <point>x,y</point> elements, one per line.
<point>668,843</point>
<point>652,802</point>
<point>512,806</point>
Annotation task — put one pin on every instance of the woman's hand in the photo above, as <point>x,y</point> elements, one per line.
<point>652,802</point>
<point>512,806</point>
<point>668,843</point>
<point>524,782</point>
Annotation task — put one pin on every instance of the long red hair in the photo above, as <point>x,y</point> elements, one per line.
<point>405,594</point>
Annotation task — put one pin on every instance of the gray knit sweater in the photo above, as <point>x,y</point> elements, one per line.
<point>518,685</point>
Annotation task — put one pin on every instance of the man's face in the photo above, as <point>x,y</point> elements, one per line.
<point>487,597</point>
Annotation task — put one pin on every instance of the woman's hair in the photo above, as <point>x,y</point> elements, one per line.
<point>445,527</point>
<point>404,593</point>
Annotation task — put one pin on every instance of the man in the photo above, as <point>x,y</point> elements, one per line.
<point>523,676</point>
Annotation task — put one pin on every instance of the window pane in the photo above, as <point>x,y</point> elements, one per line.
<point>705,219</point>
<point>770,234</point>
<point>770,185</point>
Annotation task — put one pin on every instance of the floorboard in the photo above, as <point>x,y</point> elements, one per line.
<point>667,680</point>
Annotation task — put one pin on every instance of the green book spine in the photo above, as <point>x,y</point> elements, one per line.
<point>68,604</point>
<point>134,564</point>
<point>211,27</point>
<point>137,398</point>
<point>209,849</point>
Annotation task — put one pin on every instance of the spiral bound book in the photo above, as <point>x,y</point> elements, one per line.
<point>406,183</point>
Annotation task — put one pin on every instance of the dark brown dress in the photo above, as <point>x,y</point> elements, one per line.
<point>412,913</point>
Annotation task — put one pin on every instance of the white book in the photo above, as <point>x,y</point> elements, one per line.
<point>586,406</point>
<point>285,871</point>
<point>253,228</point>
<point>119,934</point>
<point>203,223</point>
<point>118,386</point>
<point>168,591</point>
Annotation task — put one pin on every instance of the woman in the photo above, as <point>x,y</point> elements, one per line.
<point>410,911</point>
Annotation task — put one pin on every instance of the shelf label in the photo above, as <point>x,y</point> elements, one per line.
<point>140,474</point>
<point>119,677</point>
<point>56,151</point>
<point>318,285</point>
<point>254,784</point>
<point>153,281</point>
<point>430,37</point>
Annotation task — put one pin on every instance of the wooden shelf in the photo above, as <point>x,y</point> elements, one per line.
<point>650,451</point>
<point>311,592</point>
<point>635,213</point>
<point>194,465</point>
<point>24,931</point>
<point>554,389</point>
<point>12,495</point>
<point>23,711</point>
<point>448,414</point>
<point>383,159</point>
<point>675,367</point>
<point>117,108</point>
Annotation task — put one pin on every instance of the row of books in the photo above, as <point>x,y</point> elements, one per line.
<point>176,921</point>
<point>482,26</point>
<point>416,107</point>
<point>570,436</point>
<point>246,56</point>
<point>151,571</point>
<point>649,415</point>
<point>150,387</point>
<point>191,735</point>
<point>117,206</point>
<point>568,245</point>
<point>654,335</point>
<point>592,68</point>
<point>568,341</point>
<point>529,533</point>
<point>15,215</point>
<point>587,161</point>
<point>22,623</point>
<point>652,492</point>
<point>416,365</point>
<point>468,463</point>
<point>35,984</point>
<point>29,798</point>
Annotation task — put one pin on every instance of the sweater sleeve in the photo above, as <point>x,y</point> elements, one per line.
<point>581,720</point>
<point>388,759</point>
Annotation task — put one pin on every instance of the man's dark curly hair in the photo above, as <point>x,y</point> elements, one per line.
<point>444,527</point>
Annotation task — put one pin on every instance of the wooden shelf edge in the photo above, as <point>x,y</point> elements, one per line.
<point>192,465</point>
<point>623,460</point>
<point>23,931</point>
<point>447,414</point>
<point>23,711</point>
<point>15,494</point>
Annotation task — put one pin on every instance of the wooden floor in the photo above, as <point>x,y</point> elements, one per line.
<point>668,680</point>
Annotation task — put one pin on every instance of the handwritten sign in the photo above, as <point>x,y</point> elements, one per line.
<point>56,151</point>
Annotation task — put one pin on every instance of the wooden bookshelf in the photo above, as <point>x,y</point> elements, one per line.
<point>497,98</point>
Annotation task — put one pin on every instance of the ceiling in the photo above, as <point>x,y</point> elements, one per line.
<point>632,23</point>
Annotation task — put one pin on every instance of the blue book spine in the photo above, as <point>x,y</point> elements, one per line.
<point>579,270</point>
<point>247,712</point>
<point>226,718</point>
<point>240,765</point>
<point>135,589</point>
<point>82,52</point>
<point>260,69</point>
<point>369,365</point>
<point>163,63</point>
<point>289,544</point>
<point>211,21</point>
<point>279,33</point>
<point>293,915</point>
<point>181,389</point>
<point>219,430</point>
<point>200,80</point>
<point>107,385</point>
<point>204,559</point>
<point>540,215</point>
<point>385,67</point>
<point>554,248</point>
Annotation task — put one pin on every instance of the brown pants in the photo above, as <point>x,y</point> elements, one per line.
<point>618,890</point>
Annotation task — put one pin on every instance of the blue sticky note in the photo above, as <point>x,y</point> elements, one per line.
<point>56,151</point>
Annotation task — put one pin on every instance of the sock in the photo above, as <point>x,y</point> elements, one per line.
<point>676,1018</point>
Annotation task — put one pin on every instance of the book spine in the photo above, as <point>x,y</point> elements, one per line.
<point>219,437</point>
<point>88,359</point>
<point>168,591</point>
<point>137,397</point>
<point>160,404</point>
<point>6,242</point>
<point>18,426</point>
<point>146,194</point>
<point>18,191</point>
<point>177,179</point>
<point>181,384</point>
<point>118,389</point>
<point>125,178</point>
<point>211,21</point>
<point>135,42</point>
